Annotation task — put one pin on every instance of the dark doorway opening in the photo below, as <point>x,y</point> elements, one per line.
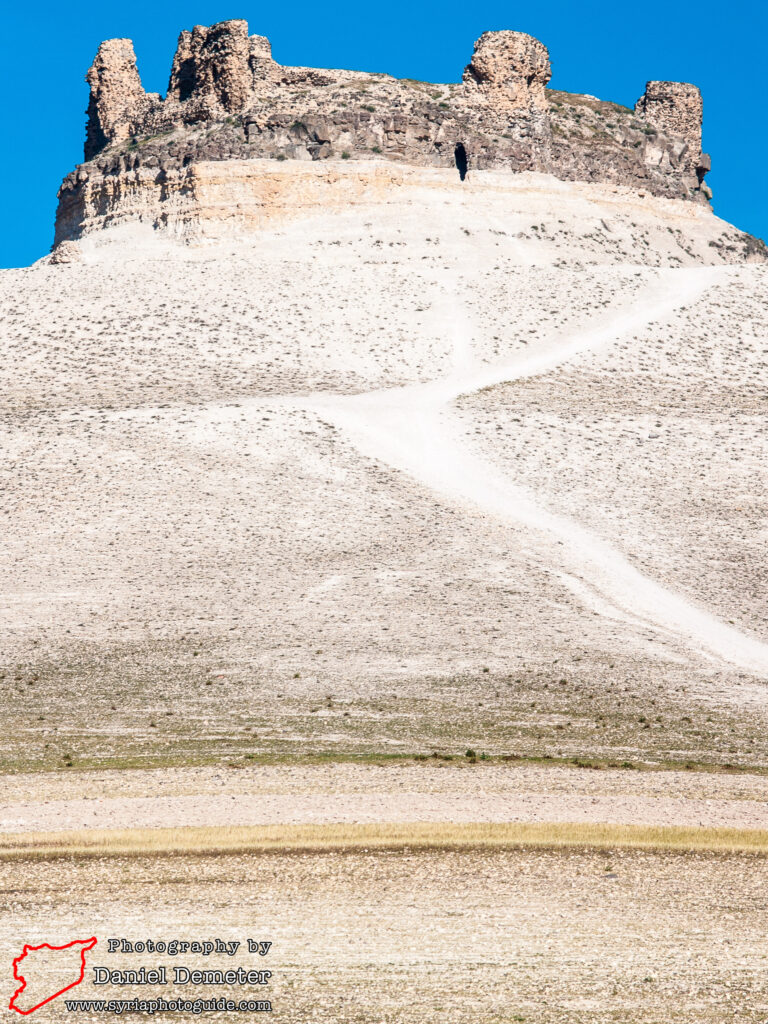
<point>460,156</point>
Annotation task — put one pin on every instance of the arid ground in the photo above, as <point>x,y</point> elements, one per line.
<point>482,935</point>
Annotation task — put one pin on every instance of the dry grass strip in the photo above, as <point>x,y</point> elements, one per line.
<point>356,838</point>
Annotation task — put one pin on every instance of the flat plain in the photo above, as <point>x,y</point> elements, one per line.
<point>490,936</point>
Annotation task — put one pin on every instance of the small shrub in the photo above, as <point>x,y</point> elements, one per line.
<point>346,155</point>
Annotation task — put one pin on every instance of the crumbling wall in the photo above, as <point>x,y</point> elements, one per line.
<point>212,67</point>
<point>676,109</point>
<point>509,71</point>
<point>118,104</point>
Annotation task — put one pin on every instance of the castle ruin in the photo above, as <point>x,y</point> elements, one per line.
<point>228,99</point>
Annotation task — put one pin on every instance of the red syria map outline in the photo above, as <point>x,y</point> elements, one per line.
<point>87,944</point>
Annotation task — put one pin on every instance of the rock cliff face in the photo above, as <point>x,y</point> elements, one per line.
<point>228,99</point>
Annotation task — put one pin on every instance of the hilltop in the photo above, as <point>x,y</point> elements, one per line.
<point>182,162</point>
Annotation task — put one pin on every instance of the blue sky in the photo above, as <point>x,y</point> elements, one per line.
<point>608,49</point>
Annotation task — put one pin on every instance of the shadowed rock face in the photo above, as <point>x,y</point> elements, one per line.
<point>212,64</point>
<point>228,99</point>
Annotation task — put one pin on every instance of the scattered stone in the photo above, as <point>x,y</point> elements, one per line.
<point>66,252</point>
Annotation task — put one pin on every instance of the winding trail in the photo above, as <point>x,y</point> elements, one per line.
<point>413,429</point>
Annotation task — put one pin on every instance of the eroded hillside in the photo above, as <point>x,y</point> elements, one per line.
<point>454,465</point>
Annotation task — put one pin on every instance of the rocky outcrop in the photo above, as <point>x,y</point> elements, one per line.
<point>505,83</point>
<point>118,105</point>
<point>510,71</point>
<point>212,67</point>
<point>676,109</point>
<point>228,99</point>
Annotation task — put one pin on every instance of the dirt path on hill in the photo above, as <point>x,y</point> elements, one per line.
<point>412,430</point>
